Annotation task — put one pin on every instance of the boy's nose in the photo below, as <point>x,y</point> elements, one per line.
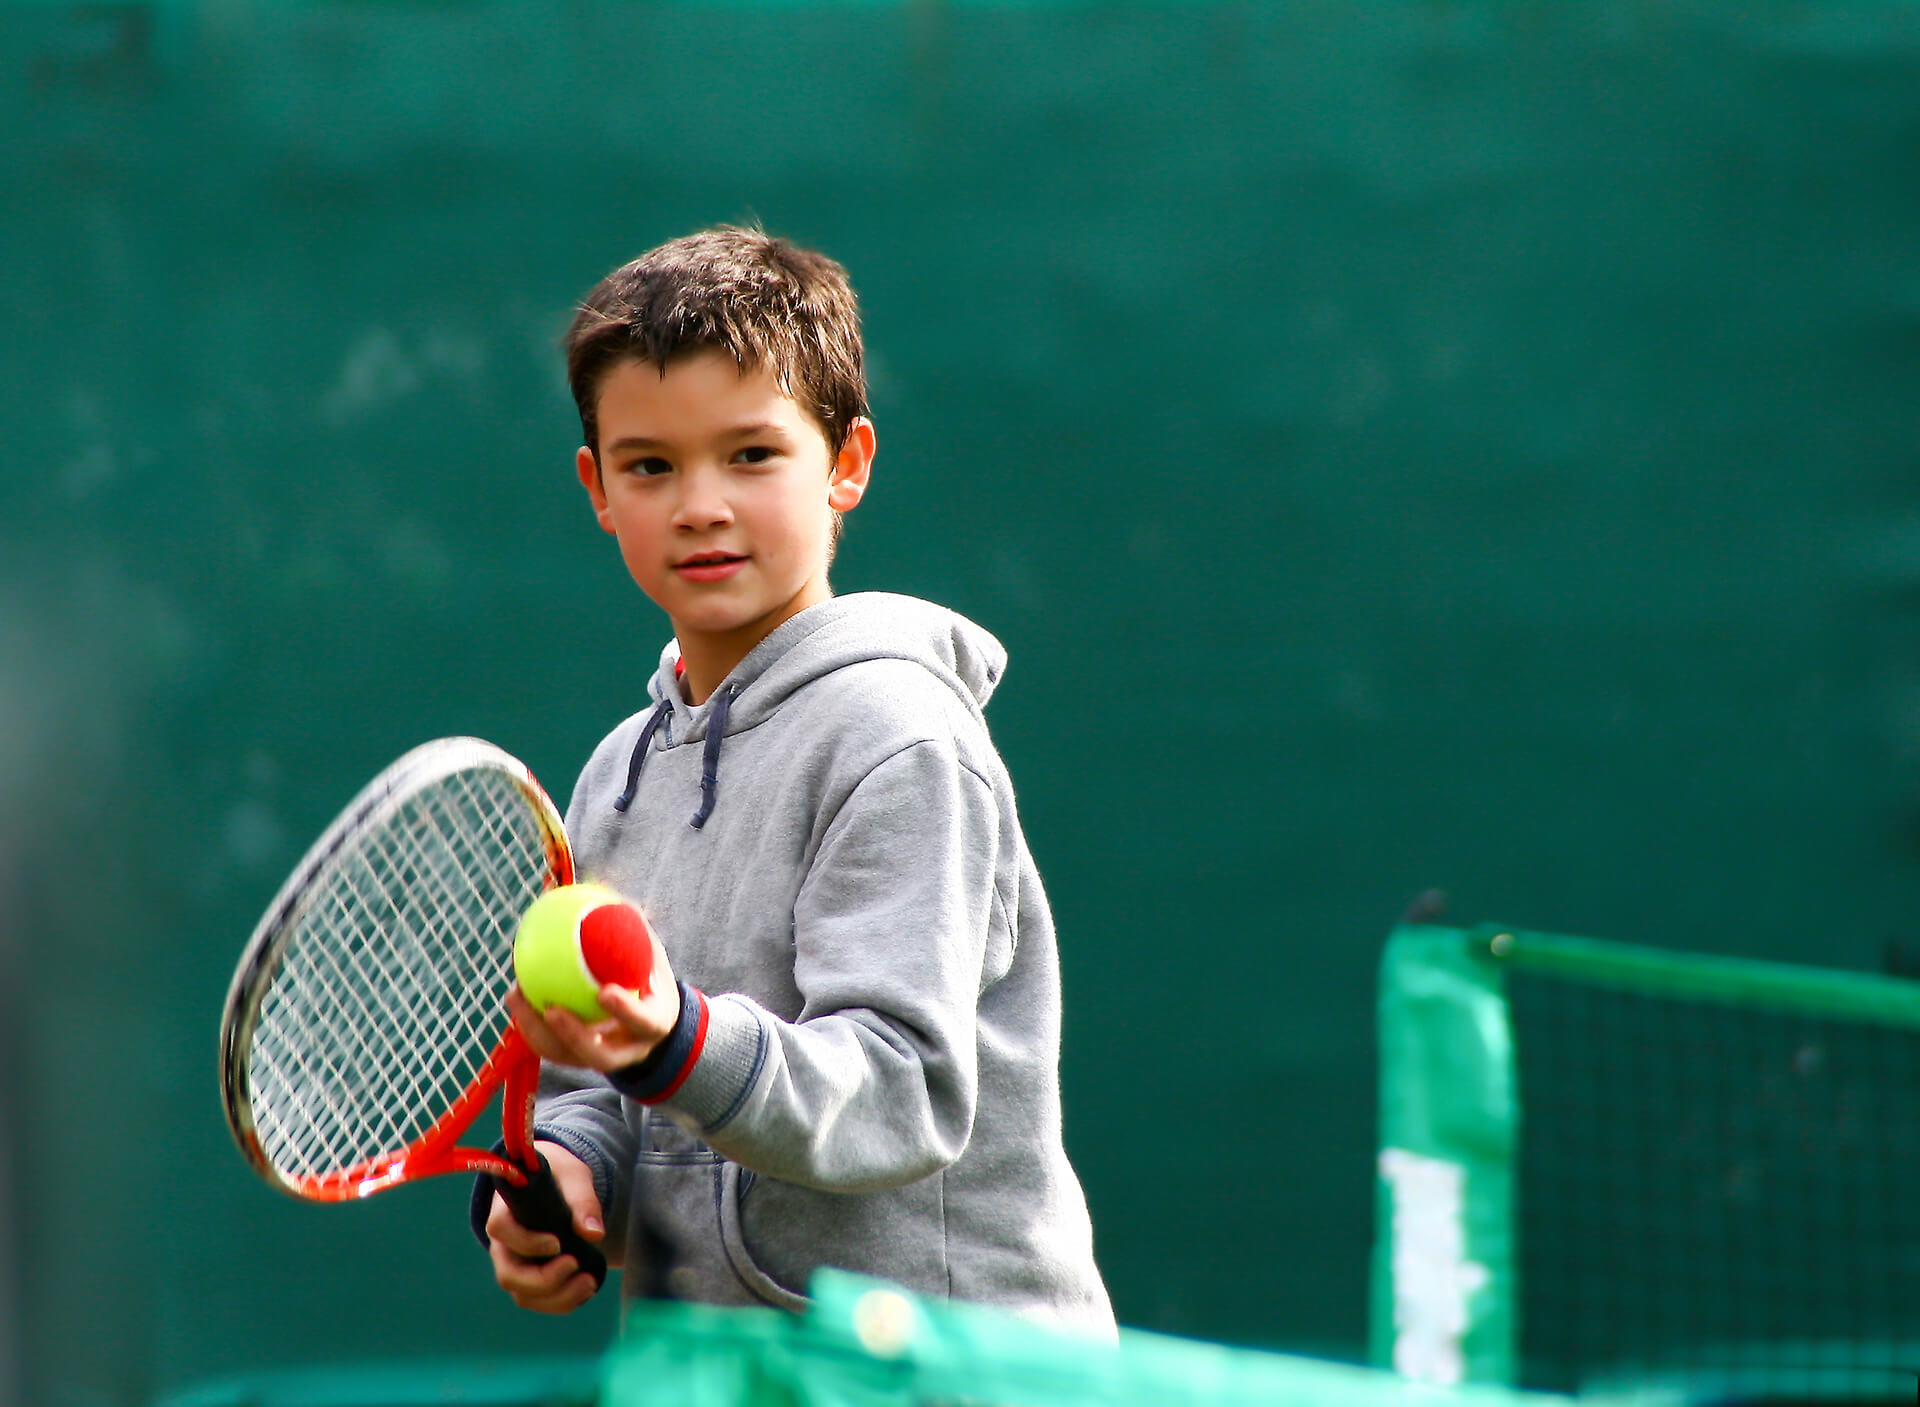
<point>702,505</point>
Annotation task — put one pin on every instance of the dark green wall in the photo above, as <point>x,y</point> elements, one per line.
<point>1402,444</point>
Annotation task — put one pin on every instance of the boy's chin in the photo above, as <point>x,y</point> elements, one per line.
<point>737,616</point>
<point>715,622</point>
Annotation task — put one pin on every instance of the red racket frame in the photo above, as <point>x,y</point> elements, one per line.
<point>512,1068</point>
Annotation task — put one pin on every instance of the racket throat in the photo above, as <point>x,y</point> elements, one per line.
<point>520,1088</point>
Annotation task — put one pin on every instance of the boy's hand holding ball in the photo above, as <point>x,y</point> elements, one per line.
<point>595,988</point>
<point>576,939</point>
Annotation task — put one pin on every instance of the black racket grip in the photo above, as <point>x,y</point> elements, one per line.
<point>539,1207</point>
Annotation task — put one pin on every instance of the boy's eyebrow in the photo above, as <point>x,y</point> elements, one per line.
<point>731,432</point>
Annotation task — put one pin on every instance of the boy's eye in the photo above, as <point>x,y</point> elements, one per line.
<point>754,454</point>
<point>651,467</point>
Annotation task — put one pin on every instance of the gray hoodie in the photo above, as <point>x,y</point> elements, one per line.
<point>828,848</point>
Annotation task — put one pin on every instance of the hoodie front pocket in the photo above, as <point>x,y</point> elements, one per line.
<point>732,1184</point>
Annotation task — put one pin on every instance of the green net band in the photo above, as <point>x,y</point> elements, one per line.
<point>866,1344</point>
<point>1785,988</point>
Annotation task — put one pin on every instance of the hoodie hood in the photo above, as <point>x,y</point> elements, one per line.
<point>844,631</point>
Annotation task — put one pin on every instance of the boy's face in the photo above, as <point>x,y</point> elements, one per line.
<point>721,491</point>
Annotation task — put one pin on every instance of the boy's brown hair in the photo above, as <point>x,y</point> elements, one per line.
<point>769,304</point>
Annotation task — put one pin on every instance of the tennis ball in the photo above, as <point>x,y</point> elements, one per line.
<point>576,938</point>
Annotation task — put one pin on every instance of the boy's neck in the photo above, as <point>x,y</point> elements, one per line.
<point>703,665</point>
<point>708,657</point>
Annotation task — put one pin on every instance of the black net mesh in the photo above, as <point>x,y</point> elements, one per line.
<point>1714,1197</point>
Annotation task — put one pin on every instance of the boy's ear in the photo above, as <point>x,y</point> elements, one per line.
<point>852,467</point>
<point>588,468</point>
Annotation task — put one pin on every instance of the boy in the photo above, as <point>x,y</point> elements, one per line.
<point>852,1058</point>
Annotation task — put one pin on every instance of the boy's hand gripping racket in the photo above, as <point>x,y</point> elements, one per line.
<point>365,1028</point>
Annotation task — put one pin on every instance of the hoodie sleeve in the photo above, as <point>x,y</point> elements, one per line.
<point>875,1084</point>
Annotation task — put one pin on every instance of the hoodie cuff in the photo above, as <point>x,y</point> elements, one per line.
<point>666,1068</point>
<point>738,1042</point>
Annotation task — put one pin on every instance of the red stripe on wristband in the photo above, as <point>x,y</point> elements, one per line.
<point>693,1054</point>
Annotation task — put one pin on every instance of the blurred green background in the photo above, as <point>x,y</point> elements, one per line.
<point>1402,443</point>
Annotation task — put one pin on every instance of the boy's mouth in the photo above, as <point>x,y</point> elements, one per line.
<point>709,566</point>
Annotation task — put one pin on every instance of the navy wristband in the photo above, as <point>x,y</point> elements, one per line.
<point>668,1064</point>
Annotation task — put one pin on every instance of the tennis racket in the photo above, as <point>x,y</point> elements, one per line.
<point>365,1029</point>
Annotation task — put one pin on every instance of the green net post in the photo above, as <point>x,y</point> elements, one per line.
<point>1444,1288</point>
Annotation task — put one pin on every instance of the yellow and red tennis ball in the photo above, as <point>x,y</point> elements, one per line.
<point>573,940</point>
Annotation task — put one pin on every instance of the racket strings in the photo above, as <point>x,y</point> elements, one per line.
<point>387,1002</point>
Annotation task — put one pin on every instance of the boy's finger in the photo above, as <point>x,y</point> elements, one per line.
<point>520,1008</point>
<point>530,1246</point>
<point>568,1297</point>
<point>575,1181</point>
<point>555,1286</point>
<point>579,1290</point>
<point>534,1247</point>
<point>533,1026</point>
<point>645,1019</point>
<point>540,1246</point>
<point>541,1276</point>
<point>532,1282</point>
<point>567,1028</point>
<point>622,1004</point>
<point>584,1044</point>
<point>526,1017</point>
<point>559,1035</point>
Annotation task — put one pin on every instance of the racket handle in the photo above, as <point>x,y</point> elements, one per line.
<point>539,1207</point>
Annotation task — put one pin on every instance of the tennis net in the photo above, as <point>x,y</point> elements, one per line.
<point>1615,1170</point>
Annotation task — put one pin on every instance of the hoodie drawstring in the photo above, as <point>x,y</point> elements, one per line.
<point>710,755</point>
<point>639,758</point>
